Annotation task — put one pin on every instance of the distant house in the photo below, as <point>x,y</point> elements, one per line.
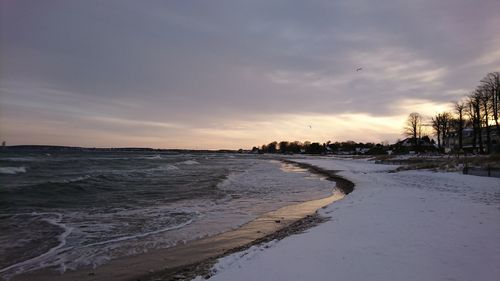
<point>362,150</point>
<point>451,142</point>
<point>410,142</point>
<point>424,144</point>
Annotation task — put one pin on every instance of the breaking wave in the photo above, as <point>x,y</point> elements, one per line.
<point>189,162</point>
<point>12,170</point>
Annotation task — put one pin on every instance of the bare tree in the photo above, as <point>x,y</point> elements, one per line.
<point>436,125</point>
<point>460,122</point>
<point>491,84</point>
<point>446,121</point>
<point>485,103</point>
<point>469,110</point>
<point>475,115</point>
<point>413,127</point>
<point>479,111</point>
<point>441,123</point>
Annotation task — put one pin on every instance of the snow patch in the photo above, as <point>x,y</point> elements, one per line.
<point>411,225</point>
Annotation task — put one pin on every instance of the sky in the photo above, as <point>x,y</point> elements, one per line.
<point>234,74</point>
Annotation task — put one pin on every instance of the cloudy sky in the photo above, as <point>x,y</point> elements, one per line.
<point>231,74</point>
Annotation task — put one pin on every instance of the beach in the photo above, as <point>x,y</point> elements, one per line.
<point>188,260</point>
<point>408,225</point>
<point>380,222</point>
<point>65,217</point>
<point>249,140</point>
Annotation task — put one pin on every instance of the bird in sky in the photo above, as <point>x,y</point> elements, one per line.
<point>310,127</point>
<point>359,69</point>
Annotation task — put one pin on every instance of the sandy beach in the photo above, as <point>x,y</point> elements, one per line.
<point>408,225</point>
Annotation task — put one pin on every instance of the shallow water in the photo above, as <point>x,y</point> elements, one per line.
<point>71,209</point>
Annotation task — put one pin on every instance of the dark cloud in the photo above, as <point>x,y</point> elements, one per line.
<point>195,64</point>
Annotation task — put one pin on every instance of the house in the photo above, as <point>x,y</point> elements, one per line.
<point>410,142</point>
<point>362,150</point>
<point>423,144</point>
<point>451,141</point>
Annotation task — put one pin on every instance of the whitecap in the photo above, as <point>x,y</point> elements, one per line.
<point>81,178</point>
<point>166,167</point>
<point>12,170</point>
<point>154,157</point>
<point>37,262</point>
<point>189,162</point>
<point>169,167</point>
<point>135,236</point>
<point>76,179</point>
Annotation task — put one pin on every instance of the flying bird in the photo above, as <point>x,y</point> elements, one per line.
<point>359,69</point>
<point>310,127</point>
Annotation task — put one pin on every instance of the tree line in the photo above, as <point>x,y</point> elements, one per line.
<point>291,147</point>
<point>478,111</point>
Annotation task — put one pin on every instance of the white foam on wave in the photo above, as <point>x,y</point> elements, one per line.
<point>37,262</point>
<point>166,167</point>
<point>189,162</point>
<point>21,159</point>
<point>12,170</point>
<point>154,157</point>
<point>228,181</point>
<point>66,256</point>
<point>76,179</point>
<point>169,167</point>
<point>124,238</point>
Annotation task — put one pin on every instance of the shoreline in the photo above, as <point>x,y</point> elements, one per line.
<point>186,261</point>
<point>204,268</point>
<point>405,225</point>
<point>345,185</point>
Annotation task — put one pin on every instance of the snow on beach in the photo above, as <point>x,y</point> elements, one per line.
<point>411,225</point>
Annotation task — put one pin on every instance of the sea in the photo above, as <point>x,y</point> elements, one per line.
<point>71,209</point>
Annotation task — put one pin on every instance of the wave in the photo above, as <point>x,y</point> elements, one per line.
<point>21,159</point>
<point>161,168</point>
<point>154,157</point>
<point>45,259</point>
<point>124,238</point>
<point>189,162</point>
<point>12,170</point>
<point>27,265</point>
<point>76,179</point>
<point>227,181</point>
<point>169,167</point>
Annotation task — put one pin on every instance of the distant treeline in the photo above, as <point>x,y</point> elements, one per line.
<point>54,148</point>
<point>351,147</point>
<point>74,148</point>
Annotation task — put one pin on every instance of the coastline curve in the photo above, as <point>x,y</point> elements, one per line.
<point>186,261</point>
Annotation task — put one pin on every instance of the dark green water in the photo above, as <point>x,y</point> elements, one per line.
<point>69,209</point>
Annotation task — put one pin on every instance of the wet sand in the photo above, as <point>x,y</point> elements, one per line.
<point>185,261</point>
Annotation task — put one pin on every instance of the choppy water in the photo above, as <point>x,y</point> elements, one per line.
<point>71,209</point>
